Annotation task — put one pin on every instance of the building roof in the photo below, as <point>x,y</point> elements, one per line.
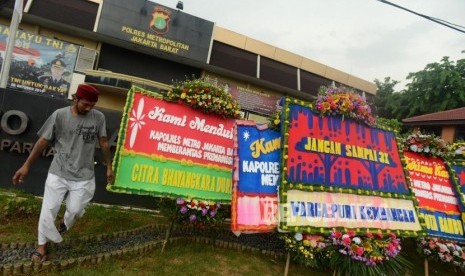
<point>448,115</point>
<point>263,49</point>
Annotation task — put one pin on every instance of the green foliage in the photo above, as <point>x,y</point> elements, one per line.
<point>458,148</point>
<point>306,249</point>
<point>439,86</point>
<point>349,253</point>
<point>372,254</point>
<point>390,124</point>
<point>274,121</point>
<point>346,267</point>
<point>166,206</point>
<point>400,105</point>
<point>19,206</point>
<point>383,100</point>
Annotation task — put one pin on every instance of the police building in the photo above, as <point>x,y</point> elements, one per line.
<point>115,44</point>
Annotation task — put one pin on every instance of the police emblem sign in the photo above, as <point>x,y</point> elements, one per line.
<point>150,25</point>
<point>160,23</point>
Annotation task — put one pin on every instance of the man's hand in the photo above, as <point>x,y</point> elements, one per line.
<point>105,148</point>
<point>110,174</point>
<point>18,178</point>
<point>37,150</point>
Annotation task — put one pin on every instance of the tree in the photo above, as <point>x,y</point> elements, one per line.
<point>384,98</point>
<point>439,87</point>
<point>391,124</point>
<point>388,105</point>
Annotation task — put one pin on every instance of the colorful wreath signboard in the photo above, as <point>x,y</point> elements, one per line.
<point>256,173</point>
<point>170,149</point>
<point>436,195</point>
<point>340,173</point>
<point>458,168</point>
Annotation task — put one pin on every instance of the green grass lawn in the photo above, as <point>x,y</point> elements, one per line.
<point>18,223</point>
<point>198,259</point>
<point>193,259</point>
<point>21,224</point>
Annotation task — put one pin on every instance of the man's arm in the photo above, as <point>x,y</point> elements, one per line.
<point>37,150</point>
<point>105,148</point>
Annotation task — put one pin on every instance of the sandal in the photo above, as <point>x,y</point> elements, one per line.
<point>38,258</point>
<point>62,228</point>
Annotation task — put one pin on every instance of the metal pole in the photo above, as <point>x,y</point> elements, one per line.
<point>5,71</point>
<point>288,260</point>
<point>167,235</point>
<point>426,267</point>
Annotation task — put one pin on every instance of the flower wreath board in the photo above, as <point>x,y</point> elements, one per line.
<point>339,173</point>
<point>169,149</point>
<point>257,151</point>
<point>458,171</point>
<point>437,197</point>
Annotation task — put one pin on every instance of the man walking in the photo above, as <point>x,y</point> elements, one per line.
<point>74,131</point>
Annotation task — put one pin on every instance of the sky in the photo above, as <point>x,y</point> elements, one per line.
<point>365,38</point>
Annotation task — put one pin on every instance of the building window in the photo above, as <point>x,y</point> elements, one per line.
<point>277,72</point>
<point>436,130</point>
<point>311,83</point>
<point>77,13</point>
<point>233,59</point>
<point>460,133</point>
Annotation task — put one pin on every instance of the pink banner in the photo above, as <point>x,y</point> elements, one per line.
<point>167,129</point>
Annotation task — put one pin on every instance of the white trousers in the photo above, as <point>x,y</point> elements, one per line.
<point>79,195</point>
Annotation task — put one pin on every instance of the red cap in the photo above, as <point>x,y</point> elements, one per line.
<point>87,92</point>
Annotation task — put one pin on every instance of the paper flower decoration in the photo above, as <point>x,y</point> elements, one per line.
<point>307,249</point>
<point>342,101</point>
<point>202,95</point>
<point>198,211</point>
<point>442,251</point>
<point>426,144</point>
